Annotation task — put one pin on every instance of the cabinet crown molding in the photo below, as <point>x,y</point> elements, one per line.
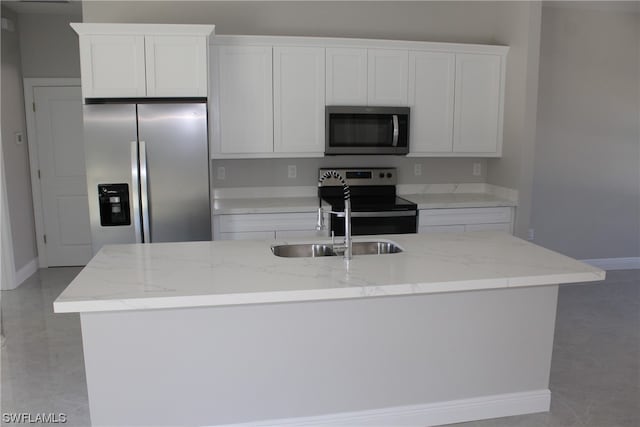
<point>142,29</point>
<point>240,40</point>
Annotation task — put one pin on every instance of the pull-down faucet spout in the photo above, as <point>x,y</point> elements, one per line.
<point>346,213</point>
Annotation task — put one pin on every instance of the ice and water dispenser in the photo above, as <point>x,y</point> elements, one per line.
<point>114,204</point>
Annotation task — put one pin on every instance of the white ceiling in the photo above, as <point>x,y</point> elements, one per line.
<point>57,7</point>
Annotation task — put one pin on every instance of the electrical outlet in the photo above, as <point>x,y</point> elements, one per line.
<point>531,235</point>
<point>417,169</point>
<point>477,169</point>
<point>292,171</point>
<point>222,173</point>
<point>19,138</point>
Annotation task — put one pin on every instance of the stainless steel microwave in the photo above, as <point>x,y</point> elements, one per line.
<point>366,130</point>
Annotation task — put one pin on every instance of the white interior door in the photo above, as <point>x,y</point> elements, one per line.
<point>63,186</point>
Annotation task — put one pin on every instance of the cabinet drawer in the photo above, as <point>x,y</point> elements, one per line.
<point>441,228</point>
<point>505,226</point>
<point>267,222</point>
<point>251,235</point>
<point>429,217</point>
<point>310,233</point>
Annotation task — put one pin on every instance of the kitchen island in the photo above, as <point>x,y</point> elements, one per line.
<point>458,326</point>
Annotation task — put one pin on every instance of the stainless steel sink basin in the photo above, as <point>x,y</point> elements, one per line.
<point>375,248</point>
<point>303,250</point>
<point>326,249</point>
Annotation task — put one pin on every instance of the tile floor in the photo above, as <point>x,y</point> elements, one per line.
<point>595,373</point>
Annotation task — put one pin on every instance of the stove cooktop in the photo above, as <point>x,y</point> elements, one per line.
<point>372,203</point>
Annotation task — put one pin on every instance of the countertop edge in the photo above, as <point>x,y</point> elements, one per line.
<point>274,297</point>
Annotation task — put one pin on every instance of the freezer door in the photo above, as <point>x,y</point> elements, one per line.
<point>174,159</point>
<point>110,134</point>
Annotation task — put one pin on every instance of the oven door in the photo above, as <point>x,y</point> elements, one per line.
<point>386,222</point>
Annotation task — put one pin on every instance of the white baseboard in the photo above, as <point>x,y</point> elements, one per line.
<point>430,414</point>
<point>615,263</point>
<point>25,272</point>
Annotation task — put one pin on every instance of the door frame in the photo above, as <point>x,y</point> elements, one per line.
<point>29,85</point>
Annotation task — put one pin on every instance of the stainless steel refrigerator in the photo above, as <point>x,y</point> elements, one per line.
<point>147,172</point>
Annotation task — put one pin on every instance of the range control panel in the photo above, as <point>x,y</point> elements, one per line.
<point>361,176</point>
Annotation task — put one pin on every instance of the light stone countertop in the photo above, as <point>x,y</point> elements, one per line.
<point>457,200</point>
<point>197,274</point>
<point>265,205</point>
<point>310,204</point>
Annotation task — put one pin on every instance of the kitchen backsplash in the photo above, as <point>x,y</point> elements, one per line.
<point>276,172</point>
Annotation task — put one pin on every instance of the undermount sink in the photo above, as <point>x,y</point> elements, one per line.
<point>375,248</point>
<point>326,249</point>
<point>303,250</point>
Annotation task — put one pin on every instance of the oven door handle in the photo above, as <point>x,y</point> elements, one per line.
<point>396,131</point>
<point>386,214</point>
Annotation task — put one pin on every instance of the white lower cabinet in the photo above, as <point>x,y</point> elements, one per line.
<point>466,219</point>
<point>267,226</point>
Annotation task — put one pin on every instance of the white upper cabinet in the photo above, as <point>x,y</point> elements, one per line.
<point>387,77</point>
<point>478,104</point>
<point>245,101</point>
<point>176,65</point>
<point>346,76</point>
<point>143,60</point>
<point>112,66</point>
<point>298,99</point>
<point>269,93</point>
<point>360,76</point>
<point>431,97</point>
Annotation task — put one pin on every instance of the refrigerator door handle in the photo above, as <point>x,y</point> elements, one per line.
<point>135,191</point>
<point>144,193</point>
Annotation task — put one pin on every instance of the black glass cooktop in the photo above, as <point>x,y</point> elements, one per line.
<point>372,203</point>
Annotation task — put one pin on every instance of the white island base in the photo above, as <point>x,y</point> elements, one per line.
<point>457,327</point>
<point>414,360</point>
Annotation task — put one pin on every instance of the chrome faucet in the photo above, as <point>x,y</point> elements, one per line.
<point>346,214</point>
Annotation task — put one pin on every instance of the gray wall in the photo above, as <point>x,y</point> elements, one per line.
<point>519,27</point>
<point>274,172</point>
<point>16,157</point>
<point>470,22</point>
<point>49,46</point>
<point>586,188</point>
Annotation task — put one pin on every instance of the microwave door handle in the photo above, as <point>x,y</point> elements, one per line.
<point>396,131</point>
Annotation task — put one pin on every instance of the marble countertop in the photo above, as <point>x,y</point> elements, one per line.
<point>457,200</point>
<point>310,204</point>
<point>265,205</point>
<point>197,274</point>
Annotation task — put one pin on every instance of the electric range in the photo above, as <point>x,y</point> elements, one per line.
<point>375,207</point>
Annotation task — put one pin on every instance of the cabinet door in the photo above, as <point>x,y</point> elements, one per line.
<point>112,66</point>
<point>245,98</point>
<point>346,76</point>
<point>176,65</point>
<point>478,110</point>
<point>387,77</point>
<point>298,99</point>
<point>431,80</point>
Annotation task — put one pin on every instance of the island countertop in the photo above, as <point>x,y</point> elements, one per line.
<point>197,274</point>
